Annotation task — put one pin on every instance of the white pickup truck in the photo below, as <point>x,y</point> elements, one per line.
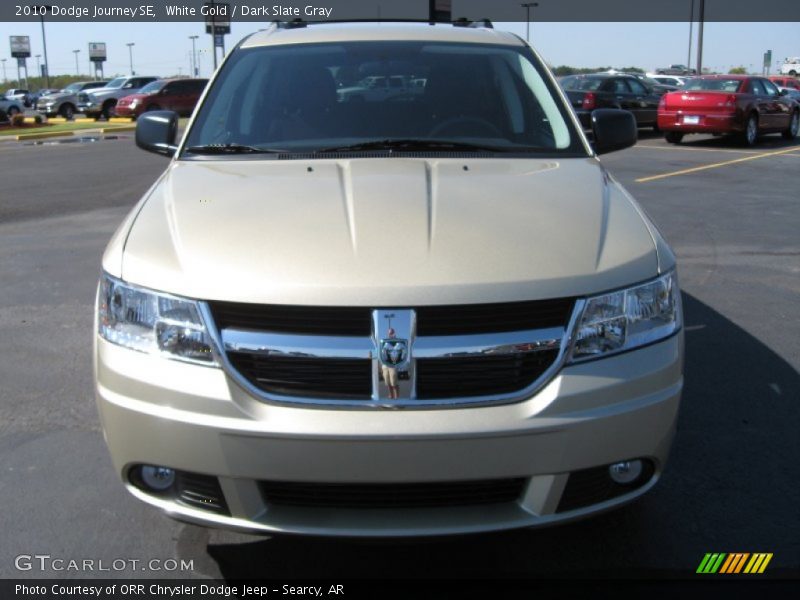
<point>791,66</point>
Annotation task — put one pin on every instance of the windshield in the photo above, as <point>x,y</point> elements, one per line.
<point>116,83</point>
<point>334,95</point>
<point>152,88</point>
<point>713,85</point>
<point>72,88</point>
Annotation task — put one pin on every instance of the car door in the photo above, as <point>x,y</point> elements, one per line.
<point>646,101</point>
<point>167,97</point>
<point>780,106</point>
<point>623,95</point>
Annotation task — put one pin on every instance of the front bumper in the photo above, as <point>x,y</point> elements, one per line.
<point>196,419</point>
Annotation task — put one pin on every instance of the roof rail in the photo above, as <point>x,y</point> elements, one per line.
<point>479,23</point>
<point>298,23</point>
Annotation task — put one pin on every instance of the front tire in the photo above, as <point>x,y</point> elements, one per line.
<point>107,108</point>
<point>794,125</point>
<point>750,134</point>
<point>67,111</point>
<point>12,110</point>
<point>673,137</point>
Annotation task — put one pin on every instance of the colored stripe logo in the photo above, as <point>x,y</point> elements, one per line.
<point>734,563</point>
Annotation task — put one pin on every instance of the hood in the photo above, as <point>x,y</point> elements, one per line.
<point>386,232</point>
<point>53,97</point>
<point>101,92</point>
<point>131,97</point>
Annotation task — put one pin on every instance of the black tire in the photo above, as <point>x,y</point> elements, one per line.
<point>12,110</point>
<point>67,111</point>
<point>750,133</point>
<point>107,108</point>
<point>793,73</point>
<point>673,137</point>
<point>656,128</point>
<point>794,125</point>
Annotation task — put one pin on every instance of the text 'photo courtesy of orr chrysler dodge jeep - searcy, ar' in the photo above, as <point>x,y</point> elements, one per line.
<point>424,313</point>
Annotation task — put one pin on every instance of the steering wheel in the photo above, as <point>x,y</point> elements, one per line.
<point>454,122</point>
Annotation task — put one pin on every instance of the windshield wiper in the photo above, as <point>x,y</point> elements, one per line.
<point>411,145</point>
<point>231,149</point>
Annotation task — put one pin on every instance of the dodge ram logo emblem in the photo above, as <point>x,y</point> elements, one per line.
<point>394,352</point>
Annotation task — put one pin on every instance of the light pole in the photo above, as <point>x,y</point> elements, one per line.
<point>528,6</point>
<point>38,70</point>
<point>194,55</point>
<point>42,10</point>
<point>130,46</point>
<point>689,56</point>
<point>77,68</point>
<point>3,60</point>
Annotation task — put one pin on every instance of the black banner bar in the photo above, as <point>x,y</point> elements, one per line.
<point>264,11</point>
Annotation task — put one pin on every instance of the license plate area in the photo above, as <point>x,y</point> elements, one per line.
<point>691,120</point>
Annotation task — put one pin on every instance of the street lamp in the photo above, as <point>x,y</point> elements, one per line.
<point>3,60</point>
<point>38,70</point>
<point>42,9</point>
<point>194,55</point>
<point>130,46</point>
<point>77,68</point>
<point>528,6</point>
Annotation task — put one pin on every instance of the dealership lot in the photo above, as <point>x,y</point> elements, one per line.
<point>733,217</point>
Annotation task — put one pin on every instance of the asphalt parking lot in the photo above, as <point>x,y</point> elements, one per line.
<point>731,214</point>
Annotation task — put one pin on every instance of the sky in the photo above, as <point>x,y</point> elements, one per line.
<point>164,49</point>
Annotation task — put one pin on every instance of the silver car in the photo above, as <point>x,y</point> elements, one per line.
<point>64,102</point>
<point>387,317</point>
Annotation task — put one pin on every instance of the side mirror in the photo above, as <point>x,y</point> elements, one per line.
<point>156,132</point>
<point>614,129</point>
<point>783,92</point>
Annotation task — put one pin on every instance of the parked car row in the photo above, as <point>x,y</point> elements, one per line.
<point>123,96</point>
<point>741,105</point>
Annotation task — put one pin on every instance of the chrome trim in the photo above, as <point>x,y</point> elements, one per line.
<point>544,336</point>
<point>512,342</point>
<point>282,344</point>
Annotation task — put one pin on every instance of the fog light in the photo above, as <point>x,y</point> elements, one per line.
<point>626,471</point>
<point>158,478</point>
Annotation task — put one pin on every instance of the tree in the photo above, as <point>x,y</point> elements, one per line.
<point>737,71</point>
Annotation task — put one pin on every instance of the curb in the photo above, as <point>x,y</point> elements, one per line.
<point>48,134</point>
<point>113,129</point>
<point>120,120</point>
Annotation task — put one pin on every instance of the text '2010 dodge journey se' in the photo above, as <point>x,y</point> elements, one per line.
<point>385,288</point>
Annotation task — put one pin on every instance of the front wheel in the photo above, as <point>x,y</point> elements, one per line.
<point>67,111</point>
<point>673,137</point>
<point>107,108</point>
<point>12,110</point>
<point>794,125</point>
<point>750,134</point>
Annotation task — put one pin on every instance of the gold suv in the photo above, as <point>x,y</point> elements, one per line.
<point>414,313</point>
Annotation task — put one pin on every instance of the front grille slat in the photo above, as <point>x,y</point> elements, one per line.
<point>480,376</point>
<point>400,495</point>
<point>292,376</point>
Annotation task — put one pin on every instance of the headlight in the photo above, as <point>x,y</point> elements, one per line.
<point>134,103</point>
<point>152,322</point>
<point>627,319</point>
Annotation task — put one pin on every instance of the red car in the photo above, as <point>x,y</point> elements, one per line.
<point>179,95</point>
<point>728,104</point>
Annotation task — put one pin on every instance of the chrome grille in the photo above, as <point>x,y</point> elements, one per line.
<point>326,355</point>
